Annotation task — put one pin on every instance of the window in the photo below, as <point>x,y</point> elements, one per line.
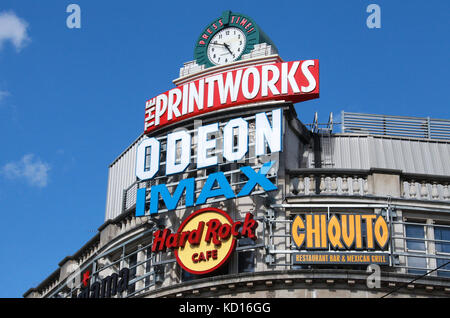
<point>415,244</point>
<point>246,258</point>
<point>418,232</point>
<point>186,276</point>
<point>442,249</point>
<point>132,261</point>
<point>212,169</point>
<point>162,160</point>
<point>148,266</point>
<point>147,159</point>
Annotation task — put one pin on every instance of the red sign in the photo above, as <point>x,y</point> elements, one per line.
<point>205,239</point>
<point>294,81</point>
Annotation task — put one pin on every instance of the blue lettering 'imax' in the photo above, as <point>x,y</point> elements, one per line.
<point>257,178</point>
<point>215,186</point>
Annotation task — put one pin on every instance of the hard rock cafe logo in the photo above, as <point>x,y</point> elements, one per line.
<point>205,240</point>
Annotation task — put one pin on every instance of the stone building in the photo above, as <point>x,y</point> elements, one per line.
<point>393,172</point>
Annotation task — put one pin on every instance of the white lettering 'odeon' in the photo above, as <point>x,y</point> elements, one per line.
<point>179,144</point>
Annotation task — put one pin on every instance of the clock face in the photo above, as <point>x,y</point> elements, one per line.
<point>226,46</point>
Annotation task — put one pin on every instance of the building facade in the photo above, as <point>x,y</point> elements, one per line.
<point>232,196</point>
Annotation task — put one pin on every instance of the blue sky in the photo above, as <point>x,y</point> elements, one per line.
<point>71,100</point>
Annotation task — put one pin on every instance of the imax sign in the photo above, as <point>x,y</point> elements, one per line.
<point>179,156</point>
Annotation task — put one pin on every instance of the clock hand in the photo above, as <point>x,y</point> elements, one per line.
<point>228,48</point>
<point>217,43</point>
<point>222,44</point>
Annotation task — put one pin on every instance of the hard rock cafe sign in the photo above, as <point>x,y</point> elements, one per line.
<point>205,239</point>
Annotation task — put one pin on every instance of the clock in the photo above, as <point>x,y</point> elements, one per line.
<point>226,46</point>
<point>227,39</point>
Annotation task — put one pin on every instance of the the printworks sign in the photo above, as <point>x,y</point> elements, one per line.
<point>205,240</point>
<point>294,81</point>
<point>343,234</point>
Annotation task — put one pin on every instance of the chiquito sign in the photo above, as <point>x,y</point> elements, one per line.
<point>205,239</point>
<point>294,81</point>
<point>342,233</point>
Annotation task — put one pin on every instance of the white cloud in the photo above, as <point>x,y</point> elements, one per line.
<point>34,171</point>
<point>13,29</point>
<point>3,95</point>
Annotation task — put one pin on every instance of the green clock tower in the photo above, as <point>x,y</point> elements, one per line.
<point>227,39</point>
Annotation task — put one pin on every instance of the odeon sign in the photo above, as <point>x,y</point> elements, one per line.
<point>216,186</point>
<point>205,240</point>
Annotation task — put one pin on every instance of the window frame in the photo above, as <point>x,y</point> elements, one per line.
<point>416,253</point>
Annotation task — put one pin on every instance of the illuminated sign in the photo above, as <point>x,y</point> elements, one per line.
<point>323,258</point>
<point>294,81</point>
<point>267,139</point>
<point>340,233</point>
<point>205,239</point>
<point>111,285</point>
